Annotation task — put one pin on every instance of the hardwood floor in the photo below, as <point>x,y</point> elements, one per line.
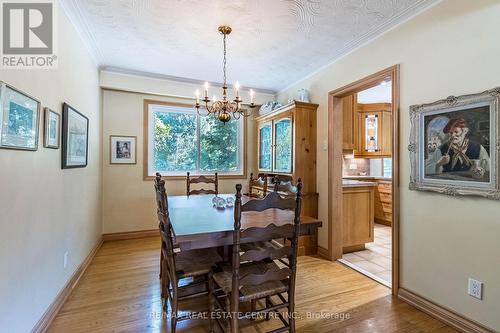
<point>120,292</point>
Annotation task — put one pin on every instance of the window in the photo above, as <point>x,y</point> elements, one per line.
<point>179,141</point>
<point>387,167</point>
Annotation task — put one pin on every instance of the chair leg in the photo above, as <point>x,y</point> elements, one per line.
<point>211,303</point>
<point>291,316</point>
<point>161,263</point>
<point>162,279</point>
<point>268,304</point>
<point>253,308</point>
<point>165,283</point>
<point>228,309</point>
<point>174,312</point>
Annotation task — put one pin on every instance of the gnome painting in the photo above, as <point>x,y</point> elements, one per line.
<point>458,145</point>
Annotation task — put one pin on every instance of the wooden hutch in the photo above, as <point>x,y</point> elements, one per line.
<point>287,149</point>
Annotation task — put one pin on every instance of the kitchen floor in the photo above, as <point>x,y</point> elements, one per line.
<point>376,260</point>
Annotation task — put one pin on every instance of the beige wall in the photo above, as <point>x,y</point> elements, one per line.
<point>45,211</point>
<point>128,200</point>
<point>451,49</point>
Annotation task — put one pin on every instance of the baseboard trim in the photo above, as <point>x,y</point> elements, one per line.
<point>441,313</point>
<point>323,253</point>
<point>43,324</point>
<point>130,235</point>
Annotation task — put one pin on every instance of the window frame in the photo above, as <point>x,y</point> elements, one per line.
<point>148,135</point>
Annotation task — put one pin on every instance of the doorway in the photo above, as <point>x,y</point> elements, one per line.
<point>363,176</point>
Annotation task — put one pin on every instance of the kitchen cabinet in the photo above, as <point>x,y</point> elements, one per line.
<point>358,216</point>
<point>349,123</point>
<point>383,202</point>
<point>375,130</point>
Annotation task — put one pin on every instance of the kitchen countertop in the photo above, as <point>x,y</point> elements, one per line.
<point>368,177</point>
<point>356,183</point>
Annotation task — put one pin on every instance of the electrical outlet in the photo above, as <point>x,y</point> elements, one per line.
<point>475,288</point>
<point>65,264</point>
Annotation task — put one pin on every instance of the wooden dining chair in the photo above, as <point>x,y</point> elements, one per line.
<point>199,180</point>
<point>192,267</point>
<point>261,182</point>
<point>255,274</point>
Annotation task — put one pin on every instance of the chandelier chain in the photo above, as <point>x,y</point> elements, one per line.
<point>225,61</point>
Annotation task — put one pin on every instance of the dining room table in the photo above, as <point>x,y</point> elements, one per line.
<point>198,224</point>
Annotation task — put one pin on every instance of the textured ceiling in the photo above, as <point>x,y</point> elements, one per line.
<point>274,43</point>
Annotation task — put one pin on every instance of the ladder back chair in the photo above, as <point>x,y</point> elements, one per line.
<point>199,180</point>
<point>260,181</point>
<point>192,267</point>
<point>257,274</point>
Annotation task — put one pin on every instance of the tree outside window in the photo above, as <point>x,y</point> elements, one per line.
<point>184,141</point>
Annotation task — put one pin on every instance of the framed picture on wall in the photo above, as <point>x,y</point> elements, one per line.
<point>51,129</point>
<point>455,146</point>
<point>75,138</point>
<point>123,149</point>
<point>19,118</point>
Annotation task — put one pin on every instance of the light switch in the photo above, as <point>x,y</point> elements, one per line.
<point>324,146</point>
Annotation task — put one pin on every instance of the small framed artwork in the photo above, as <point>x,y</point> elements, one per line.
<point>51,129</point>
<point>19,119</point>
<point>123,149</point>
<point>455,146</point>
<point>75,138</point>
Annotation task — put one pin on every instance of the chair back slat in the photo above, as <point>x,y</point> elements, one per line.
<point>270,275</point>
<point>271,231</point>
<point>201,191</point>
<point>270,252</point>
<point>272,200</point>
<point>202,180</point>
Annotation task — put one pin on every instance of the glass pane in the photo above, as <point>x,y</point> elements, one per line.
<point>265,147</point>
<point>218,145</point>
<point>283,153</point>
<point>175,143</point>
<point>371,133</point>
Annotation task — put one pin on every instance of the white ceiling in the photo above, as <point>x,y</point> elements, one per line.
<point>274,43</point>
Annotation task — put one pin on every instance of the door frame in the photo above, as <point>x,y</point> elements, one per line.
<point>335,157</point>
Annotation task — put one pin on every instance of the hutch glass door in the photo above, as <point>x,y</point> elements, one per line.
<point>265,147</point>
<point>283,145</point>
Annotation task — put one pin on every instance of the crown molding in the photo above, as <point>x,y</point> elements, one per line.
<point>177,79</point>
<point>77,18</point>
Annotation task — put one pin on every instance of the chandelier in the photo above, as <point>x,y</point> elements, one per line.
<point>224,109</point>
